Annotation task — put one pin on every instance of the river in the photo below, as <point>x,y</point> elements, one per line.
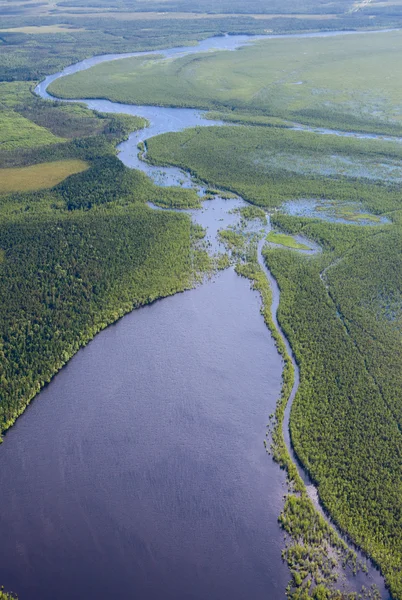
<point>140,471</point>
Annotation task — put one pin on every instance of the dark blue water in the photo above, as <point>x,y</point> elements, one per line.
<point>140,471</point>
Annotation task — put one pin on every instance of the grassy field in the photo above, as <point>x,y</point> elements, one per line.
<point>345,82</point>
<point>35,130</point>
<point>152,15</point>
<point>204,7</point>
<point>39,177</point>
<point>225,6</point>
<point>40,38</point>
<point>285,240</point>
<point>19,132</point>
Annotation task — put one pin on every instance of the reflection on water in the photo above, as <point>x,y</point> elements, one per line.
<point>331,211</point>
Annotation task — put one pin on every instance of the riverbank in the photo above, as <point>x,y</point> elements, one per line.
<point>177,127</point>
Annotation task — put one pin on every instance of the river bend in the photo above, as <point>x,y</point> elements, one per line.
<point>140,471</point>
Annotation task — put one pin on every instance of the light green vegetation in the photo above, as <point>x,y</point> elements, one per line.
<point>239,241</point>
<point>231,239</point>
<point>331,210</point>
<point>37,177</point>
<point>6,596</point>
<point>360,216</point>
<point>256,171</point>
<point>347,212</point>
<point>18,132</point>
<point>247,119</point>
<point>223,262</point>
<point>90,31</point>
<point>231,7</point>
<point>197,231</point>
<point>158,16</point>
<point>344,82</point>
<point>41,29</point>
<point>222,194</point>
<point>285,240</point>
<point>26,122</point>
<point>177,198</point>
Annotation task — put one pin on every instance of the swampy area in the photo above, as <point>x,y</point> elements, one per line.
<point>242,438</point>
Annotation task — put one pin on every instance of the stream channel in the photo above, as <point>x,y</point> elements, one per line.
<point>140,471</point>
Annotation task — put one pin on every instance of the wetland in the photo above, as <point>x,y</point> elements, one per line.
<point>178,458</point>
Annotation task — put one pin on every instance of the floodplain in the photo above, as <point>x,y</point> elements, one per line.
<point>333,328</point>
<point>80,255</point>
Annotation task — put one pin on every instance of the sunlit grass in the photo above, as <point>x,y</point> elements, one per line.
<point>285,240</point>
<point>18,132</point>
<point>38,177</point>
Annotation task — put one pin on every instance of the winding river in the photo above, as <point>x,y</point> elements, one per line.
<point>141,472</point>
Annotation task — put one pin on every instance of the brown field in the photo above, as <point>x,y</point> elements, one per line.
<point>38,177</point>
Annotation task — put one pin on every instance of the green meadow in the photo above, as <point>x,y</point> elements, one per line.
<point>345,82</point>
<point>285,240</point>
<point>18,132</point>
<point>37,177</point>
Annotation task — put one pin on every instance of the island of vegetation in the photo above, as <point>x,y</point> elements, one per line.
<point>281,239</point>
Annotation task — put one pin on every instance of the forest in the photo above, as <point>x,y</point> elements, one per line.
<point>345,422</point>
<point>79,255</point>
<point>79,251</point>
<point>272,165</point>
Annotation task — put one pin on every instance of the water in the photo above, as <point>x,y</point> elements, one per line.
<point>340,213</point>
<point>140,470</point>
<point>352,134</point>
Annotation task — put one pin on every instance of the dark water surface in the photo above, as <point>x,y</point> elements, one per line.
<point>140,471</point>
